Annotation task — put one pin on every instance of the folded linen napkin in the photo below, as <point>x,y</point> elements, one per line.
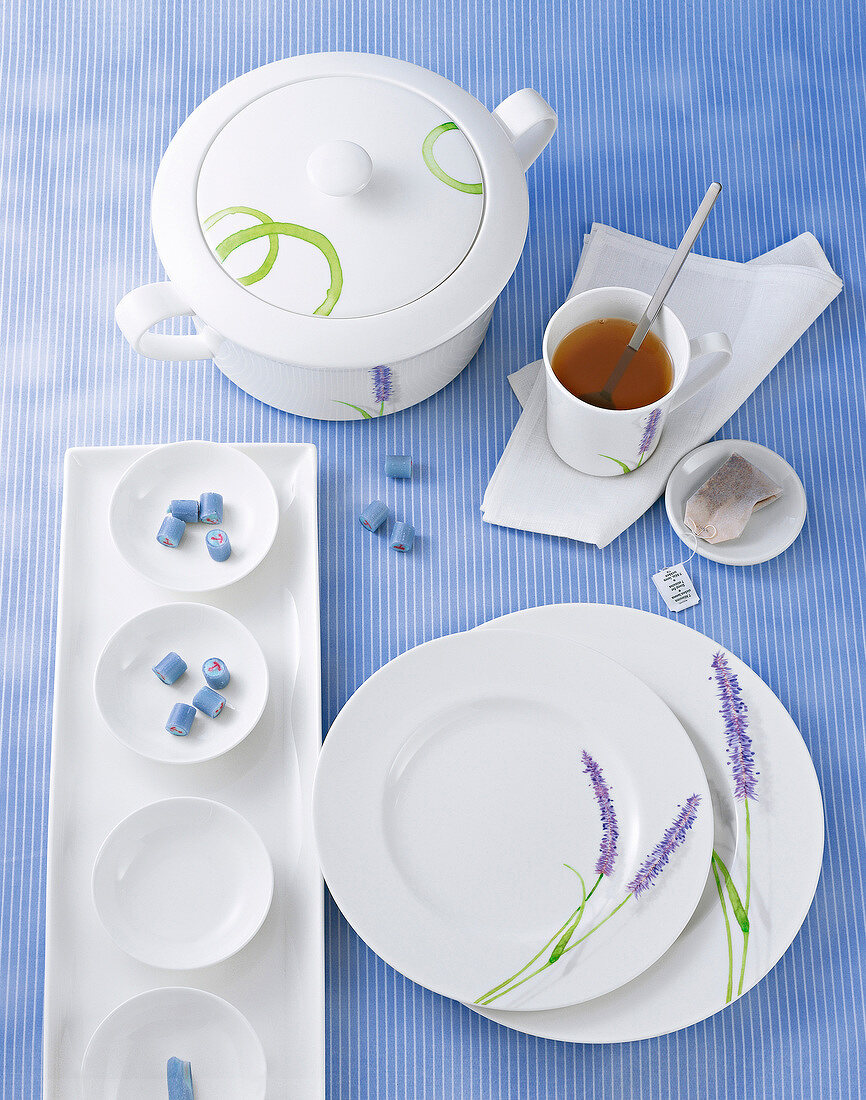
<point>764,306</point>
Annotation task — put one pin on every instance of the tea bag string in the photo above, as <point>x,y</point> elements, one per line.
<point>710,530</point>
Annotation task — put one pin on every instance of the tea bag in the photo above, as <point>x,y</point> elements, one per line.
<point>721,508</point>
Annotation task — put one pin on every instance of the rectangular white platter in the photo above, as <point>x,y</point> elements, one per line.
<point>277,980</point>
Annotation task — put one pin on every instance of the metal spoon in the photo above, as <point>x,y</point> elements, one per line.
<point>604,397</point>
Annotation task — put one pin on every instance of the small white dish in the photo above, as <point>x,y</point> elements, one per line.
<point>135,704</point>
<point>182,883</point>
<point>452,808</point>
<point>769,532</point>
<point>127,1055</point>
<point>183,471</point>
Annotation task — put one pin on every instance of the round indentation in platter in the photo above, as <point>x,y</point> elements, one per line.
<point>183,471</point>
<point>127,1055</point>
<point>135,704</point>
<point>182,883</point>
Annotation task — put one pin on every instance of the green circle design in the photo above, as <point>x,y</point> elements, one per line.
<point>267,227</point>
<point>432,164</point>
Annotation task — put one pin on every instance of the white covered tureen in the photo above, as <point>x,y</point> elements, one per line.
<point>339,227</point>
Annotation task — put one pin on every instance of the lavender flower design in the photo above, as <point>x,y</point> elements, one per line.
<point>645,878</point>
<point>658,858</point>
<point>609,827</point>
<point>382,378</point>
<point>735,717</point>
<point>649,433</point>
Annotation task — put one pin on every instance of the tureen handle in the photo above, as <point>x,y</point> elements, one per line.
<point>529,122</point>
<point>146,306</point>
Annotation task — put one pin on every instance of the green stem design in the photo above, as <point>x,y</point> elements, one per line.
<point>432,164</point>
<point>559,932</point>
<point>357,408</point>
<point>739,909</point>
<point>625,469</point>
<point>748,895</point>
<point>562,942</point>
<point>273,239</point>
<point>577,943</point>
<point>727,930</point>
<point>273,229</point>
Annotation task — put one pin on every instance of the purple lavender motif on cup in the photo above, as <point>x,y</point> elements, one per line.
<point>649,434</point>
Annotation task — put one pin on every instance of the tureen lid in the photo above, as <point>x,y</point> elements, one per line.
<point>340,196</point>
<point>340,209</point>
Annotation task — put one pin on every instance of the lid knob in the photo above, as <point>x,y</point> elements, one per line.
<point>339,168</point>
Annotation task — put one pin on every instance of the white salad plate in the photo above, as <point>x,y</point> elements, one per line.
<point>183,883</point>
<point>754,742</point>
<point>126,1058</point>
<point>135,704</point>
<point>183,471</point>
<point>277,980</point>
<point>770,530</point>
<point>455,812</point>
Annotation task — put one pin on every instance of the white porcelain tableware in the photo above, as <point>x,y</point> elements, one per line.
<point>185,471</point>
<point>610,442</point>
<point>339,226</point>
<point>135,704</point>
<point>182,883</point>
<point>455,811</point>
<point>689,982</point>
<point>126,1058</point>
<point>277,981</point>
<point>769,532</point>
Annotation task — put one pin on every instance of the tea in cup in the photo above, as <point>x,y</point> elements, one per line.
<point>583,343</point>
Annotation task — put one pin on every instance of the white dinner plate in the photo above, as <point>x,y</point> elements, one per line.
<point>454,811</point>
<point>182,883</point>
<point>126,1058</point>
<point>770,530</point>
<point>690,982</point>
<point>135,704</point>
<point>183,471</point>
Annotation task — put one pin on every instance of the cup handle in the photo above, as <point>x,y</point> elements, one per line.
<point>146,306</point>
<point>718,346</point>
<point>529,121</point>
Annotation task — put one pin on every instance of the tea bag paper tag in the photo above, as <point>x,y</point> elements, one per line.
<point>676,588</point>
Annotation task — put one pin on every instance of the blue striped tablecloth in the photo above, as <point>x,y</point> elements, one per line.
<point>654,100</point>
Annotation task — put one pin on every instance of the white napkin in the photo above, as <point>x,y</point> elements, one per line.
<point>764,306</point>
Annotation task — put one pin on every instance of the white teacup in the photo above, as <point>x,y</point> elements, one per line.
<point>608,442</point>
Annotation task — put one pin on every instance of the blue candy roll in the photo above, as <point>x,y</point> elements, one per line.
<point>210,508</point>
<point>403,536</point>
<point>208,701</point>
<point>374,515</point>
<point>171,532</point>
<point>216,672</point>
<point>398,465</point>
<point>181,719</point>
<point>187,510</point>
<point>218,545</point>
<point>170,668</point>
<point>179,1078</point>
